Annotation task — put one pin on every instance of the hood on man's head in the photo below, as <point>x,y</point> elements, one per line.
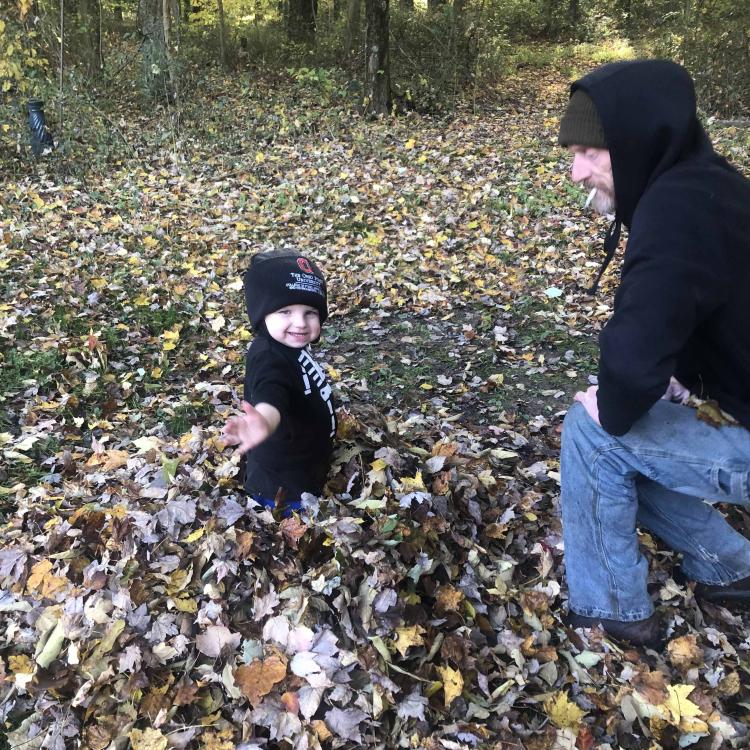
<point>648,114</point>
<point>277,279</point>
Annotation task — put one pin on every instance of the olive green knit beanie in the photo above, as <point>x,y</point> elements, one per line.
<point>581,125</point>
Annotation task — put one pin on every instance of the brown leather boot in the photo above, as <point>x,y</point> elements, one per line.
<point>733,594</point>
<point>638,632</point>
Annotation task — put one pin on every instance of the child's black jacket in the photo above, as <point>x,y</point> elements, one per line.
<point>297,455</point>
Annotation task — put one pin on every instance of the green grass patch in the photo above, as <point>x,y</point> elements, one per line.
<point>19,369</point>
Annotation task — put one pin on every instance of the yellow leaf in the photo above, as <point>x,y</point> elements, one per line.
<point>146,443</point>
<point>185,605</point>
<point>260,157</point>
<point>149,241</point>
<point>156,373</point>
<point>413,484</point>
<point>408,637</point>
<point>409,145</point>
<point>378,464</point>
<point>194,537</point>
<point>684,652</point>
<point>43,581</point>
<point>426,386</point>
<point>141,300</point>
<point>678,705</point>
<point>453,683</point>
<point>20,664</point>
<point>691,725</point>
<point>98,283</point>
<point>562,711</point>
<point>147,739</point>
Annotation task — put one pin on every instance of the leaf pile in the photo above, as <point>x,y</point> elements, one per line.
<point>418,603</point>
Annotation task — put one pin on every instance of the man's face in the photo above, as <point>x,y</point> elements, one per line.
<point>592,168</point>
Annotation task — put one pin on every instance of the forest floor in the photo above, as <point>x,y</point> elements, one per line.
<point>420,603</point>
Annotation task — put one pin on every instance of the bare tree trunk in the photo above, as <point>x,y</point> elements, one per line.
<point>166,15</point>
<point>159,75</point>
<point>89,36</point>
<point>353,13</point>
<point>301,21</point>
<point>378,81</point>
<point>222,33</point>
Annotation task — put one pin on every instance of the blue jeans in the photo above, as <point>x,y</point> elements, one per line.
<point>657,475</point>
<point>288,505</point>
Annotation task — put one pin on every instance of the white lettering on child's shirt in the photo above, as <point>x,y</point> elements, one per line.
<point>312,370</point>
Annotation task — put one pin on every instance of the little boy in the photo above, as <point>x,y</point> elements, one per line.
<point>288,420</point>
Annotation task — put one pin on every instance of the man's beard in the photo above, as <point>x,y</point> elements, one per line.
<point>603,202</point>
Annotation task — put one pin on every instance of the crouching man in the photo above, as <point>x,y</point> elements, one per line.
<point>632,453</point>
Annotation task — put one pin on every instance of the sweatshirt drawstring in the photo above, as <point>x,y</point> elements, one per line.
<point>611,241</point>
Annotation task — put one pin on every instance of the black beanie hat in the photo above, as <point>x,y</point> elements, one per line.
<point>277,279</point>
<point>581,125</point>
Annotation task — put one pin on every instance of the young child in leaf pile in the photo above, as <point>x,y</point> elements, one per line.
<point>288,420</point>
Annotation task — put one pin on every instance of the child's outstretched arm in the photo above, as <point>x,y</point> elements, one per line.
<point>252,427</point>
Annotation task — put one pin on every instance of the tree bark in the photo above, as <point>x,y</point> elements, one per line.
<point>222,34</point>
<point>89,36</point>
<point>574,15</point>
<point>301,20</point>
<point>158,73</point>
<point>353,13</point>
<point>378,81</point>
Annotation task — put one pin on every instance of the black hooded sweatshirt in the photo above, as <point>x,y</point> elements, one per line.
<point>682,305</point>
<point>297,456</point>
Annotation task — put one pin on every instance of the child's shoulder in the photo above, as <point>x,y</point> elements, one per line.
<point>264,353</point>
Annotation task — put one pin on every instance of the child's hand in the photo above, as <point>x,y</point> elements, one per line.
<point>253,427</point>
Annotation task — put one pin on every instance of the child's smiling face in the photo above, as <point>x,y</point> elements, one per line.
<point>294,325</point>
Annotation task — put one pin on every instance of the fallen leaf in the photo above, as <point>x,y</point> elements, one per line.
<point>257,679</point>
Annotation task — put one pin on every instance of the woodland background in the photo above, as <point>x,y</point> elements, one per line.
<point>411,149</point>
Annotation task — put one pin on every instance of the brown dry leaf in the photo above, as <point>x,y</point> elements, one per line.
<point>290,701</point>
<point>245,541</point>
<point>187,690</point>
<point>684,652</point>
<point>97,737</point>
<point>496,530</point>
<point>323,732</point>
<point>108,460</point>
<point>221,740</point>
<point>293,530</point>
<point>448,598</point>
<point>445,449</point>
<point>453,683</point>
<point>441,483</point>
<point>730,685</point>
<point>711,413</point>
<point>43,582</point>
<point>258,678</point>
<point>652,686</point>
<point>409,636</point>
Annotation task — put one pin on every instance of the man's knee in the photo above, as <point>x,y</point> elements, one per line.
<point>576,421</point>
